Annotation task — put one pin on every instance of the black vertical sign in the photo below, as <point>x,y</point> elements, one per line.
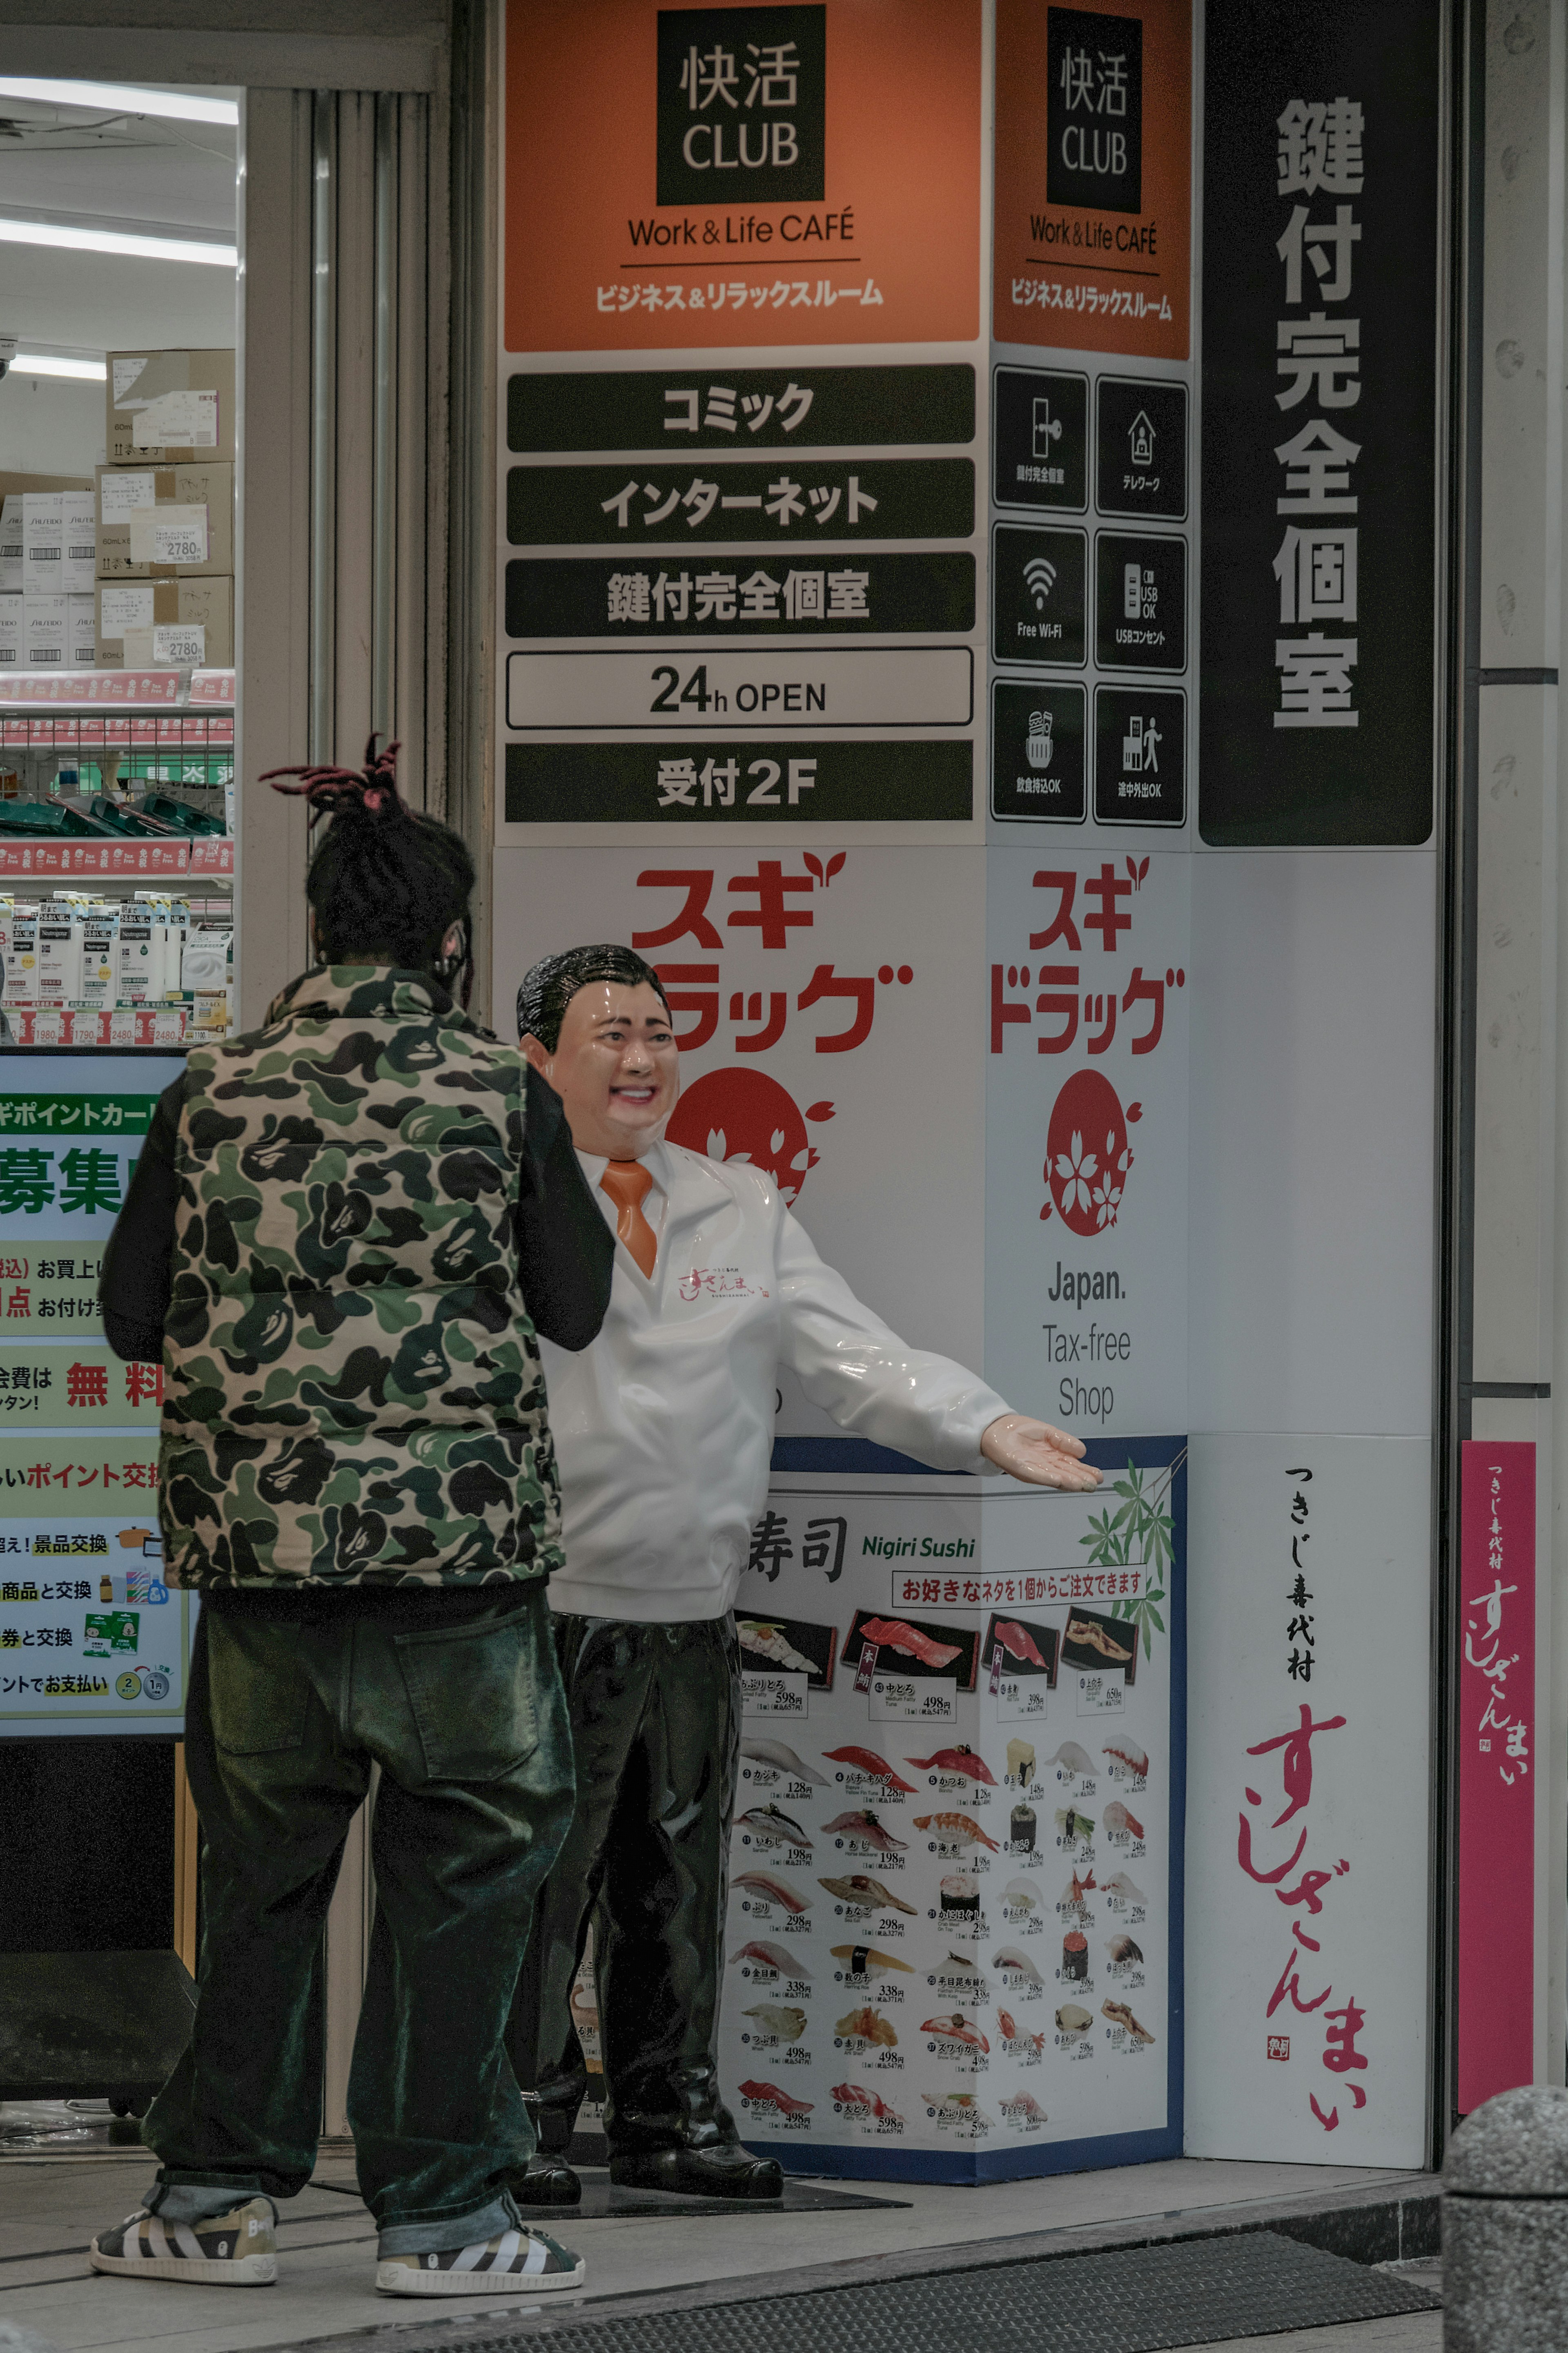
<point>1320,208</point>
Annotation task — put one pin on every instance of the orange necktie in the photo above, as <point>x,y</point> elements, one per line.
<point>627,1182</point>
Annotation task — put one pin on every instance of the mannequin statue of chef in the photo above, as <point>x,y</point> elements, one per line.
<point>664,1427</point>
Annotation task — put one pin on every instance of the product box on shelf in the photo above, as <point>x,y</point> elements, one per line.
<point>173,620</point>
<point>160,519</point>
<point>82,631</point>
<point>14,489</point>
<point>21,962</point>
<point>46,632</point>
<point>59,551</point>
<point>12,637</point>
<point>173,407</point>
<point>59,961</point>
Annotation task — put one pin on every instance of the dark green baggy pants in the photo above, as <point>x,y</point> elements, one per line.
<point>465,1715</point>
<point>655,1720</point>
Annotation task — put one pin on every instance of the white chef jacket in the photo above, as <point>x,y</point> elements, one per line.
<point>664,1426</point>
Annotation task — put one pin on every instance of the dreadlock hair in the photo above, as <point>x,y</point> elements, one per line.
<point>384,882</point>
<point>554,981</point>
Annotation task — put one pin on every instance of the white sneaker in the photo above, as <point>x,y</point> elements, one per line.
<point>518,2262</point>
<point>238,2249</point>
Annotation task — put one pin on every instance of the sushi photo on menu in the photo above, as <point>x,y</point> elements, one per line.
<point>913,1646</point>
<point>1017,1649</point>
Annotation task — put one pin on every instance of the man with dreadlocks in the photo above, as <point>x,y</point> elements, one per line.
<point>665,1426</point>
<point>342,1236</point>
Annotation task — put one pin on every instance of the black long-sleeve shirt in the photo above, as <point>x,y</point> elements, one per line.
<point>566,1250</point>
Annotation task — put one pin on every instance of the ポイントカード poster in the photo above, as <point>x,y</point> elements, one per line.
<point>1092,239</point>
<point>718,177</point>
<point>92,1639</point>
<point>1321,319</point>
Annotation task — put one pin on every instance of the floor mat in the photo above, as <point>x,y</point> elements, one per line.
<point>601,2203</point>
<point>1140,2300</point>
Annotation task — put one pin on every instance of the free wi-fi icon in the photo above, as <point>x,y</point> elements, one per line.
<point>1039,578</point>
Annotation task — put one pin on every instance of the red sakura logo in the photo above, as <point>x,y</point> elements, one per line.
<point>738,1114</point>
<point>1087,1153</point>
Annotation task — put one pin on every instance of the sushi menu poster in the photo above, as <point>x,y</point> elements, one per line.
<point>950,1897</point>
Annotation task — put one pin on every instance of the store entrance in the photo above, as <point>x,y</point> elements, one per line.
<point>117,531</point>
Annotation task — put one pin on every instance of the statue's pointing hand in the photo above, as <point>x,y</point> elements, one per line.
<point>1038,1454</point>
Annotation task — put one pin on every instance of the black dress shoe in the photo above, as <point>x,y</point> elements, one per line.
<point>726,2171</point>
<point>549,2181</point>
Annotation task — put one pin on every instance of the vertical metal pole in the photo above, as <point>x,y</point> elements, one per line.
<point>323,424</point>
<point>384,496</point>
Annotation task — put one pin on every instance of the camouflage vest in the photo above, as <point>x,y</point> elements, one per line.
<point>354,1393</point>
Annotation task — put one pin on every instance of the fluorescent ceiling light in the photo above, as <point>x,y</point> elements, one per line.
<point>120,97</point>
<point>110,240</point>
<point>45,364</point>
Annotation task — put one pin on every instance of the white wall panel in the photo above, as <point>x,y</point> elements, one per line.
<point>1310,1254</point>
<point>1516,947</point>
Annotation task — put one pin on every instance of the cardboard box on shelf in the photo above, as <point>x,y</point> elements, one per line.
<point>169,408</point>
<point>166,622</point>
<point>12,641</point>
<point>153,520</point>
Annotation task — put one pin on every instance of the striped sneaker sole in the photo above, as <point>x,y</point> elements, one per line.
<point>154,2250</point>
<point>514,2265</point>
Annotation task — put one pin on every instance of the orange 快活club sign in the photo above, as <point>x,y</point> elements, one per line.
<point>1094,170</point>
<point>679,179</point>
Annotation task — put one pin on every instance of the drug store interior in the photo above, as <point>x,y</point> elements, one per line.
<point>210,453</point>
<point>117,737</point>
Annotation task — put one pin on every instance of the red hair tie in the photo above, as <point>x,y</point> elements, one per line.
<point>332,792</point>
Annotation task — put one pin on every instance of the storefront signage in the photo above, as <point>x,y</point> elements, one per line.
<point>1094,176</point>
<point>1499,1746</point>
<point>741,176</point>
<point>1320,418</point>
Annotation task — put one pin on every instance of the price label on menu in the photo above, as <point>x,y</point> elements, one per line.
<point>1101,1694</point>
<point>1021,1698</point>
<point>776,1693</point>
<point>913,1699</point>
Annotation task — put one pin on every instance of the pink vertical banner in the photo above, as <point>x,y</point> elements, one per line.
<point>1495,1743</point>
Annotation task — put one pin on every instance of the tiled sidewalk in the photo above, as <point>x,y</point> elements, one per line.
<point>50,2206</point>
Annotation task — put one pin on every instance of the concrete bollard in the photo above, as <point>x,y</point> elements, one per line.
<point>1505,2226</point>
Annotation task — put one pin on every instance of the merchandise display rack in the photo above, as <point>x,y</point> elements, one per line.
<point>153,711</point>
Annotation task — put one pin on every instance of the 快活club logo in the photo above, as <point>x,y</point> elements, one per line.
<point>738,1114</point>
<point>742,105</point>
<point>1087,1153</point>
<point>1094,110</point>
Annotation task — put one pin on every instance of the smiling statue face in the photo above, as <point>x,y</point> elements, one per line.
<point>615,1067</point>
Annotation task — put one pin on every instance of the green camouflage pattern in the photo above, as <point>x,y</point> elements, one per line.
<point>354,1393</point>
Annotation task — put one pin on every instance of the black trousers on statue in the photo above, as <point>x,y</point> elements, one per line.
<point>655,1721</point>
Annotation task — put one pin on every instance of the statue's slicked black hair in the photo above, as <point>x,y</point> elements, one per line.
<point>386,881</point>
<point>554,981</point>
